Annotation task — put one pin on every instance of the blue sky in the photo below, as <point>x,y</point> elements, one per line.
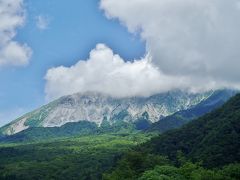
<point>188,44</point>
<point>74,28</point>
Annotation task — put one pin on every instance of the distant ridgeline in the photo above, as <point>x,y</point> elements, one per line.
<point>217,99</point>
<point>104,114</point>
<point>211,141</point>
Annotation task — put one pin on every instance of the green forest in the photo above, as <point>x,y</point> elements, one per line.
<point>205,148</point>
<point>86,157</point>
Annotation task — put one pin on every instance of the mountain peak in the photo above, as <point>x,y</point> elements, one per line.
<point>94,107</point>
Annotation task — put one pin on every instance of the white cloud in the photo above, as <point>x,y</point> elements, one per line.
<point>197,40</point>
<point>193,45</point>
<point>108,73</point>
<point>42,22</point>
<point>12,17</point>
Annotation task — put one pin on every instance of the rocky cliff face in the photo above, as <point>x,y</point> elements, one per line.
<point>95,107</point>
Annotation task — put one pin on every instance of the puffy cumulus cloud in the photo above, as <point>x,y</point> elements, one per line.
<point>108,73</point>
<point>12,17</point>
<point>197,40</point>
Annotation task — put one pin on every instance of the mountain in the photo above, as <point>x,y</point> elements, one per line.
<point>178,119</point>
<point>212,142</point>
<point>213,139</point>
<point>101,109</point>
<point>46,133</point>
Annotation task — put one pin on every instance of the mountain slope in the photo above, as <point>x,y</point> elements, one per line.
<point>47,133</point>
<point>95,107</point>
<point>178,119</point>
<point>213,139</point>
<point>68,130</point>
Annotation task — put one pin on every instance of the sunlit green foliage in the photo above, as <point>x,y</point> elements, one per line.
<point>86,157</point>
<point>134,163</point>
<point>191,171</point>
<point>141,166</point>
